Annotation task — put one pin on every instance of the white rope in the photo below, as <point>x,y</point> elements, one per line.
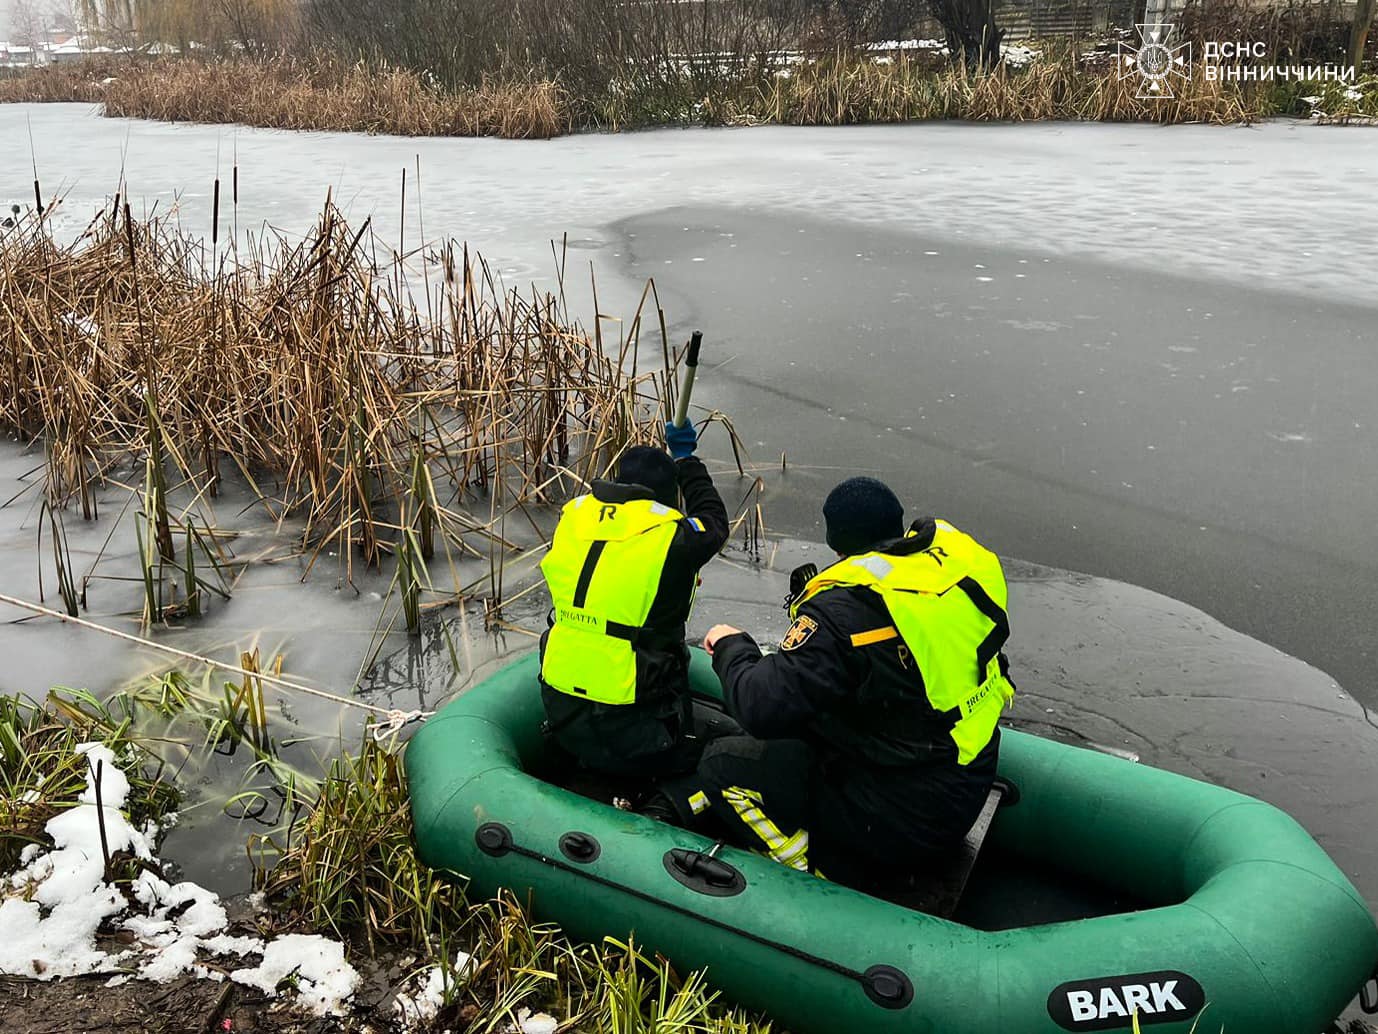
<point>394,719</point>
<point>397,720</point>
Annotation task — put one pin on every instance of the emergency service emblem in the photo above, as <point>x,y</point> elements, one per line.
<point>799,632</point>
<point>1114,1003</point>
<point>1157,60</point>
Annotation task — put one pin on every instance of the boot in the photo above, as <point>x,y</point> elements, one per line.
<point>660,808</point>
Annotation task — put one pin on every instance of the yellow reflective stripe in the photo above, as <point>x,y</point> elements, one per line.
<point>875,635</point>
<point>698,802</point>
<point>795,853</point>
<point>791,851</point>
<point>744,804</point>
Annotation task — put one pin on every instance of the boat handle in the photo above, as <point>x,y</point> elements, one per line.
<point>1368,994</point>
<point>703,873</point>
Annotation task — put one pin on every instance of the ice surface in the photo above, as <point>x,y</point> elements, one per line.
<point>1136,196</point>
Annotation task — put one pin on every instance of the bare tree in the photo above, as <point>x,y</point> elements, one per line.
<point>1358,35</point>
<point>65,17</point>
<point>111,20</point>
<point>211,23</point>
<point>261,25</point>
<point>971,31</point>
<point>26,23</point>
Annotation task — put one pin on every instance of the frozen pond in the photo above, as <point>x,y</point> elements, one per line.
<point>1211,441</point>
<point>1272,205</point>
<point>1142,353</point>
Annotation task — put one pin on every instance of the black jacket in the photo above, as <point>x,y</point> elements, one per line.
<point>647,737</point>
<point>879,747</point>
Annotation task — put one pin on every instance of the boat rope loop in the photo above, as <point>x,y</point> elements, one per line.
<point>393,719</point>
<point>886,986</point>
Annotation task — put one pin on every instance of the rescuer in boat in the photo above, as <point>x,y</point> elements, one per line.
<point>873,731</point>
<point>622,571</point>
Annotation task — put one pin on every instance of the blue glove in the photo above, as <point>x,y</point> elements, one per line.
<point>681,441</point>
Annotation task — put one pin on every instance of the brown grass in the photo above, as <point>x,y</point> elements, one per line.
<point>325,95</point>
<point>292,93</point>
<point>842,88</point>
<point>83,81</point>
<point>342,388</point>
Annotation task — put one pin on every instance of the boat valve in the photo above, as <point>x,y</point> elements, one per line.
<point>888,987</point>
<point>580,847</point>
<point>493,839</point>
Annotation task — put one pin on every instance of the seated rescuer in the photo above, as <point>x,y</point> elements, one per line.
<point>874,734</point>
<point>622,571</point>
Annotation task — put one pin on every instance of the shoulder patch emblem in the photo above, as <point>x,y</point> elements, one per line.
<point>799,632</point>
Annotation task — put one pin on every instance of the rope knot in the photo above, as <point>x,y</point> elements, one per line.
<point>395,722</point>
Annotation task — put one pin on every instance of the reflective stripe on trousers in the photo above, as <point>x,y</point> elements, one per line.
<point>792,851</point>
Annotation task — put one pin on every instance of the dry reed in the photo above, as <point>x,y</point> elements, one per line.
<point>844,87</point>
<point>83,81</point>
<point>841,90</point>
<point>313,370</point>
<point>308,93</point>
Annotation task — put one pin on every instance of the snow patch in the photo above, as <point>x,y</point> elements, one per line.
<point>421,1005</point>
<point>315,965</point>
<point>55,904</point>
<point>529,1022</point>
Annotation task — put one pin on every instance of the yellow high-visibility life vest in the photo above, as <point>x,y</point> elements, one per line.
<point>948,604</point>
<point>603,571</point>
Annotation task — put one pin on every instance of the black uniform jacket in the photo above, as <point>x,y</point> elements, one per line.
<point>645,737</point>
<point>885,769</point>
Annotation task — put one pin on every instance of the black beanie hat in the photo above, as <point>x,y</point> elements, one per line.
<point>646,465</point>
<point>861,513</point>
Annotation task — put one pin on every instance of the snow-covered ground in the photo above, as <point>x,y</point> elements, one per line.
<point>53,907</point>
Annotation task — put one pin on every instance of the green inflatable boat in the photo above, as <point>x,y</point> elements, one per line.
<point>1237,916</point>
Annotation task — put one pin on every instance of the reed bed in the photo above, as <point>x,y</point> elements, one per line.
<point>319,92</point>
<point>840,90</point>
<point>844,87</point>
<point>83,81</point>
<point>394,410</point>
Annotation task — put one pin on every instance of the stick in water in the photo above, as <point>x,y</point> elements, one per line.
<point>691,367</point>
